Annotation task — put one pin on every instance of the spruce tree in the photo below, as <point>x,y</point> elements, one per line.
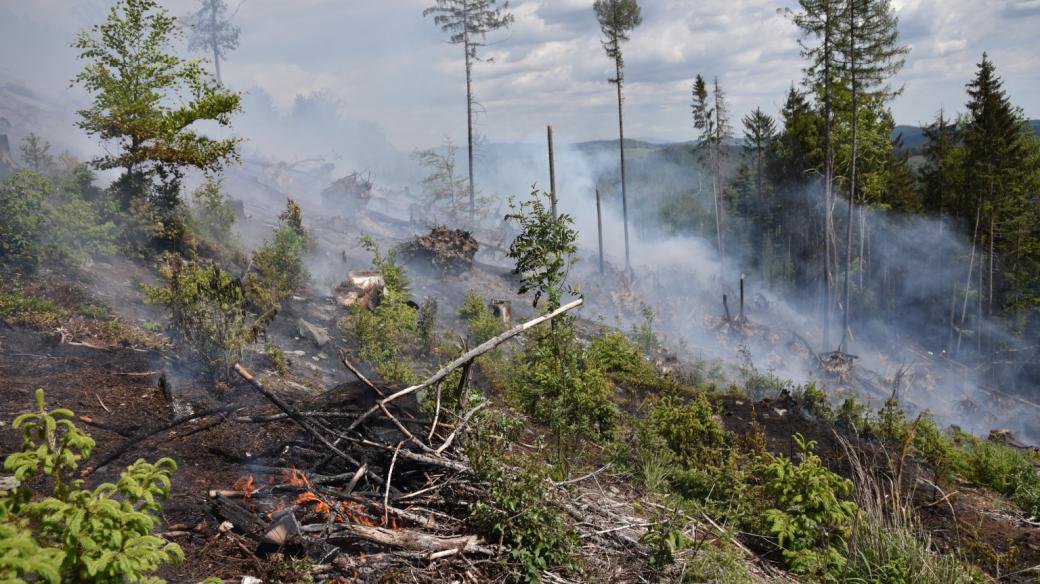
<point>468,23</point>
<point>617,18</point>
<point>213,32</point>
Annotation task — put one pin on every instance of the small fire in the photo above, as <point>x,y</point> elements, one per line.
<point>308,496</point>
<point>295,477</point>
<point>246,484</point>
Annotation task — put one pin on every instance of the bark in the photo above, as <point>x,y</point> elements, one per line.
<point>827,180</point>
<point>213,38</point>
<point>621,143</point>
<point>846,333</point>
<point>469,115</point>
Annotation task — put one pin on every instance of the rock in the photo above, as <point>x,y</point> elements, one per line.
<point>316,334</point>
<point>361,287</point>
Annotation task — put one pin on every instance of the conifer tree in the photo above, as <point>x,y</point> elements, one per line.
<point>468,23</point>
<point>617,18</point>
<point>213,32</point>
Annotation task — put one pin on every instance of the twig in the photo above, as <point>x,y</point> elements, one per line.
<point>436,414</point>
<point>102,403</point>
<point>299,419</point>
<point>462,360</point>
<point>361,376</point>
<point>455,432</point>
<point>130,374</point>
<point>386,492</point>
<point>583,477</point>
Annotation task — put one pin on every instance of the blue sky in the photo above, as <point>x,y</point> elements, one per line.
<point>388,65</point>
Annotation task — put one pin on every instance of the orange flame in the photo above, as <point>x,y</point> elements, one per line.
<point>246,484</point>
<point>295,477</point>
<point>308,496</point>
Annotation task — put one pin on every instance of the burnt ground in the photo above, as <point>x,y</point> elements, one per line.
<point>994,535</point>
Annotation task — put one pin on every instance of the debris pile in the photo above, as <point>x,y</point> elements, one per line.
<point>451,250</point>
<point>350,193</point>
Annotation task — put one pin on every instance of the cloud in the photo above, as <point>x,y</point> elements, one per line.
<point>390,65</point>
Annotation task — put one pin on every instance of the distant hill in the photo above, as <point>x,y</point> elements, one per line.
<point>913,137</point>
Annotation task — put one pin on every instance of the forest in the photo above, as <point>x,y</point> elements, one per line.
<point>248,343</point>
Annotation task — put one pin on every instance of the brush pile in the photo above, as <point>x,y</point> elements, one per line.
<point>450,250</point>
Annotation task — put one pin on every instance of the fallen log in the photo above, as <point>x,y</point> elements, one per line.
<point>407,539</point>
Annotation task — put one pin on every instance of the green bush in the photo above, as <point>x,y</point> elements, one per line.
<point>644,332</point>
<point>480,322</point>
<point>808,517</point>
<point>520,513</point>
<point>71,534</point>
<point>207,307</point>
<point>211,214</point>
<point>278,269</point>
<point>47,219</point>
<point>690,430</point>
<point>1008,471</point>
<point>386,331</point>
<point>815,401</point>
<point>16,306</point>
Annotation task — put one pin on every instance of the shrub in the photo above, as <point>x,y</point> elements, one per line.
<point>808,517</point>
<point>644,332</point>
<point>815,401</point>
<point>44,218</point>
<point>426,323</point>
<point>18,307</point>
<point>74,534</point>
<point>480,322</point>
<point>624,361</point>
<point>278,269</point>
<point>520,513</point>
<point>386,330</point>
<point>666,538</point>
<point>211,213</point>
<point>852,415</point>
<point>689,430</point>
<point>1008,471</point>
<point>207,308</point>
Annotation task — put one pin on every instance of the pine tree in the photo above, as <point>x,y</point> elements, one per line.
<point>940,178</point>
<point>819,22</point>
<point>711,117</point>
<point>36,153</point>
<point>213,32</point>
<point>872,55</point>
<point>468,23</point>
<point>759,132</point>
<point>617,18</point>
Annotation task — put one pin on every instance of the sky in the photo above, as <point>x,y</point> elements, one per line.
<point>388,65</point>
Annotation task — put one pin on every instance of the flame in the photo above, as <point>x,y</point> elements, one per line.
<point>296,477</point>
<point>308,496</point>
<point>246,484</point>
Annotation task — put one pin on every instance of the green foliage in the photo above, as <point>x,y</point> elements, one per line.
<point>644,332</point>
<point>521,513</point>
<point>666,538</point>
<point>278,269</point>
<point>426,323</point>
<point>211,213</point>
<point>73,534</point>
<point>277,357</point>
<point>569,392</point>
<point>691,430</point>
<point>387,330</point>
<point>1008,471</point>
<point>16,306</point>
<point>852,415</point>
<point>480,322</point>
<point>47,219</point>
<point>815,401</point>
<point>809,519</point>
<point>444,188</point>
<point>207,307</point>
<point>758,385</point>
<point>147,101</point>
<point>544,250</point>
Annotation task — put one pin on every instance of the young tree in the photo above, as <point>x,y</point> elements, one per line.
<point>36,153</point>
<point>468,22</point>
<point>443,187</point>
<point>617,18</point>
<point>872,55</point>
<point>213,32</point>
<point>819,23</point>
<point>147,100</point>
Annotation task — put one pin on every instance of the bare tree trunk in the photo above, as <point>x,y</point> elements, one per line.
<point>469,116</point>
<point>971,266</point>
<point>213,38</point>
<point>846,333</point>
<point>599,230</point>
<point>621,144</point>
<point>827,180</point>
<point>552,173</point>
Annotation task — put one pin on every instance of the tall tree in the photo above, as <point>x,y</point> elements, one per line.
<point>759,132</point>
<point>711,117</point>
<point>939,176</point>
<point>467,23</point>
<point>872,55</point>
<point>617,18</point>
<point>819,22</point>
<point>999,168</point>
<point>213,32</point>
<point>147,101</point>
